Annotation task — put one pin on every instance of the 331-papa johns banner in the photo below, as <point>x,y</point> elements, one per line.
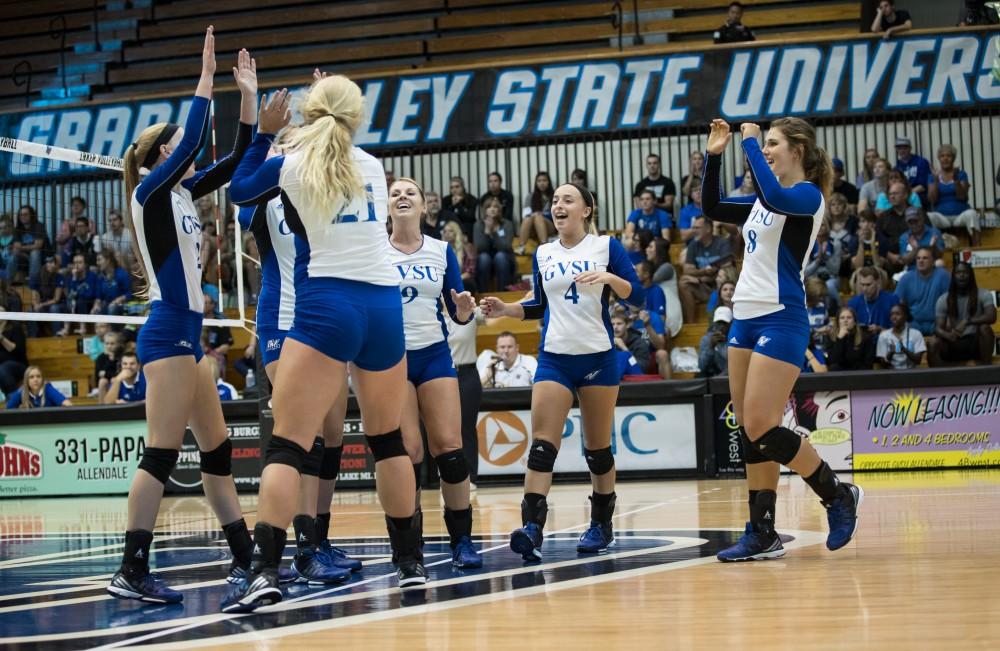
<point>844,77</point>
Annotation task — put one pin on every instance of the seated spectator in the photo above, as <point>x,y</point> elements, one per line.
<point>689,213</point>
<point>536,214</point>
<point>433,222</point>
<point>656,300</point>
<point>916,169</point>
<point>507,367</point>
<point>844,241</point>
<point>725,280</point>
<point>918,235</point>
<point>692,180</point>
<point>494,237</point>
<point>108,363</point>
<point>733,30</point>
<point>579,177</point>
<point>878,185</point>
<point>210,261</point>
<point>648,217</point>
<point>658,255</point>
<point>745,188</point>
<point>118,239</point>
<point>494,190</point>
<point>225,389</point>
<point>82,243</point>
<point>51,295</point>
<point>220,338</point>
<point>852,347</point>
<point>94,346</point>
<point>867,172</point>
<point>40,393</point>
<point>948,193</point>
<point>81,290</point>
<point>129,385</point>
<point>654,330</point>
<point>891,223</point>
<point>713,351</point>
<point>824,260</point>
<point>460,206</point>
<point>627,340</point>
<point>815,359</point>
<point>842,186</point>
<point>13,354</point>
<point>964,319</point>
<point>114,286</point>
<point>868,251</point>
<point>30,242</point>
<point>633,242</point>
<point>921,288</point>
<point>900,347</point>
<point>871,305</point>
<point>706,254</point>
<point>465,251</point>
<point>247,364</point>
<point>890,22</point>
<point>664,190</point>
<point>819,309</point>
<point>8,250</point>
<point>884,202</point>
<point>67,228</point>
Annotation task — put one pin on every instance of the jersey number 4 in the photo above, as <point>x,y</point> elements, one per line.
<point>571,294</point>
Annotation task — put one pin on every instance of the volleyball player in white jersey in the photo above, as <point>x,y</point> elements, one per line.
<point>429,275</point>
<point>180,387</point>
<point>316,560</point>
<point>770,331</point>
<point>573,280</point>
<point>347,310</point>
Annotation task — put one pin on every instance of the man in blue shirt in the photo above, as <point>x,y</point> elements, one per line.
<point>656,300</point>
<point>921,288</point>
<point>129,385</point>
<point>689,213</point>
<point>872,305</point>
<point>916,169</point>
<point>648,216</point>
<point>918,235</point>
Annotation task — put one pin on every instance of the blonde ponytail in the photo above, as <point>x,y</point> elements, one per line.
<point>328,173</point>
<point>134,155</point>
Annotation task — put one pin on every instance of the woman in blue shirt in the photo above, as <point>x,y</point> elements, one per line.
<point>948,192</point>
<point>40,393</point>
<point>113,285</point>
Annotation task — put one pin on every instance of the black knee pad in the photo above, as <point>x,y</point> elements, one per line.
<point>218,461</point>
<point>387,446</point>
<point>329,467</point>
<point>778,444</point>
<point>287,453</point>
<point>600,461</point>
<point>542,457</point>
<point>452,467</point>
<point>159,462</point>
<point>314,459</point>
<point>751,454</point>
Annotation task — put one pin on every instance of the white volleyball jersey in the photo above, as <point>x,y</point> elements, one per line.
<point>170,246</point>
<point>576,319</point>
<point>276,246</point>
<point>426,278</point>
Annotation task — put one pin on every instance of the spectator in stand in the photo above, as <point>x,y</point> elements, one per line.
<point>844,242</point>
<point>494,190</point>
<point>890,21</point>
<point>108,363</point>
<point>656,300</point>
<point>114,287</point>
<point>507,367</point>
<point>900,347</point>
<point>696,167</point>
<point>633,241</point>
<point>579,177</point>
<point>10,300</point>
<point>220,338</point>
<point>30,242</point>
<point>494,238</point>
<point>460,206</point>
<point>689,213</point>
<point>918,235</point>
<point>433,222</point>
<point>648,217</point>
<point>706,254</point>
<point>948,193</point>
<point>964,319</point>
<point>536,215</point>
<point>664,190</point>
<point>815,358</point>
<point>824,260</point>
<point>94,346</point>
<point>465,251</point>
<point>867,251</point>
<point>976,13</point>
<point>852,348</point>
<point>206,208</point>
<point>129,385</point>
<point>653,329</point>
<point>118,239</point>
<point>872,304</point>
<point>209,260</point>
<point>82,243</point>
<point>745,188</point>
<point>883,203</point>
<point>67,228</point>
<point>8,248</point>
<point>629,344</point>
<point>725,282</point>
<point>40,393</point>
<point>819,308</point>
<point>733,30</point>
<point>225,389</point>
<point>13,354</point>
<point>916,169</point>
<point>841,185</point>
<point>870,192</point>
<point>921,288</point>
<point>658,255</point>
<point>713,351</point>
<point>81,290</point>
<point>891,224</point>
<point>51,295</point>
<point>227,257</point>
<point>867,172</point>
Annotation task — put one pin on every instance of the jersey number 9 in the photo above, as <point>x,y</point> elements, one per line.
<point>409,293</point>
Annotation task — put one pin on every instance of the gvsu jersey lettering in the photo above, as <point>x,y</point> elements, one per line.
<point>426,278</point>
<point>276,245</point>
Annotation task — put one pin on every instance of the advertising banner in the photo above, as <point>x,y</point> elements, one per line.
<point>646,437</point>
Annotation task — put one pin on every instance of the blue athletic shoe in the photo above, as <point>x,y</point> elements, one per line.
<point>339,557</point>
<point>464,555</point>
<point>316,568</point>
<point>149,589</point>
<point>252,592</point>
<point>596,539</point>
<point>753,546</point>
<point>527,541</point>
<point>842,515</point>
<point>286,575</point>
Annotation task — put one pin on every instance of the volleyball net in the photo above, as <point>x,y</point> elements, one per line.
<point>63,271</point>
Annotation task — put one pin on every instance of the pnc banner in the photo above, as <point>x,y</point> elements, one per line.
<point>832,78</point>
<point>646,437</point>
